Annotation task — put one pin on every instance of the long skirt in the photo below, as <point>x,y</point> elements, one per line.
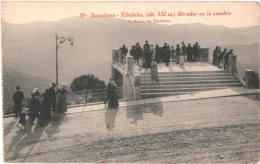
<point>113,101</point>
<point>62,104</point>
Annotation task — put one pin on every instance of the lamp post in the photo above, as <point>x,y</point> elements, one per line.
<point>59,41</point>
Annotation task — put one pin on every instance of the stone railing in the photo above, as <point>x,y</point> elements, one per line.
<point>248,78</point>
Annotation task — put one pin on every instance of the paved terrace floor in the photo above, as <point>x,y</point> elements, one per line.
<point>188,67</point>
<point>80,135</point>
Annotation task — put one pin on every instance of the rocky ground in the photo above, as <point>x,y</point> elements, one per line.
<point>216,130</point>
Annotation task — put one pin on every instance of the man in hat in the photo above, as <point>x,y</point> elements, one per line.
<point>52,95</point>
<point>108,89</point>
<point>196,53</point>
<point>18,100</point>
<point>164,48</point>
<point>226,58</point>
<point>220,57</point>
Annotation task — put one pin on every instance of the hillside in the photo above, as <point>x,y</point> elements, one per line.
<point>25,81</point>
<point>30,48</point>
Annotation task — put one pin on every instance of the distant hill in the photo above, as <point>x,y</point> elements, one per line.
<point>25,81</point>
<point>30,48</point>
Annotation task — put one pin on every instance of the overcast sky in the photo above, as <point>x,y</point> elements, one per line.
<point>243,14</point>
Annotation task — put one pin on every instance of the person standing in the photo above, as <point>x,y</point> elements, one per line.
<point>46,109</point>
<point>153,52</point>
<point>108,90</point>
<point>147,55</point>
<point>183,50</point>
<point>182,60</point>
<point>52,95</point>
<point>172,53</point>
<point>220,57</point>
<point>154,71</point>
<point>167,55</point>
<point>62,103</point>
<point>18,100</point>
<point>35,107</point>
<point>138,51</point>
<point>178,53</point>
<point>226,58</point>
<point>113,100</point>
<point>157,53</point>
<point>164,48</point>
<point>215,56</point>
<point>195,50</point>
<point>189,53</point>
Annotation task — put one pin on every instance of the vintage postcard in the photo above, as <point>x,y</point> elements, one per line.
<point>130,82</point>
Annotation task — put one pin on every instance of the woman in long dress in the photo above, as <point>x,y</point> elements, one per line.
<point>113,100</point>
<point>62,103</point>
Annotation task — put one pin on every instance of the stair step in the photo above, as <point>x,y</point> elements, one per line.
<point>187,82</point>
<point>148,79</point>
<point>188,72</point>
<point>189,86</point>
<point>179,89</point>
<point>189,75</point>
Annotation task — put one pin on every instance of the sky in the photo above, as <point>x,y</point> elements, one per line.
<point>242,14</point>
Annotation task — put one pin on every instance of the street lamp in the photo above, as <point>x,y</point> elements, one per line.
<point>59,41</point>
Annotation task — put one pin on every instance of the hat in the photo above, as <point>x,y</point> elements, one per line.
<point>146,41</point>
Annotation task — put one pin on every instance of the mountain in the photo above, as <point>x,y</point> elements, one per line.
<point>30,48</point>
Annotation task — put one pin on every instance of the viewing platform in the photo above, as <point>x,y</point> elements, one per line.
<point>173,80</point>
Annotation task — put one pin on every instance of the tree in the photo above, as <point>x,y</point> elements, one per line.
<point>89,82</point>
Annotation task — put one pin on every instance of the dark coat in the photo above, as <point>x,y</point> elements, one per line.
<point>18,97</point>
<point>35,105</point>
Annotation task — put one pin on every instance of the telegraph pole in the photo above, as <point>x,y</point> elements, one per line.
<point>57,82</point>
<point>60,40</point>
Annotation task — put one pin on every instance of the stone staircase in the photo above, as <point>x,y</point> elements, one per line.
<point>176,83</point>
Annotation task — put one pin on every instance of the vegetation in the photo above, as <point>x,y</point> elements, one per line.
<point>89,82</point>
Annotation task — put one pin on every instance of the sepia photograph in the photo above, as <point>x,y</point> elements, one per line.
<point>130,81</point>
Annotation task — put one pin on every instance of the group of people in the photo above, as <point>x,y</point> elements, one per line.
<point>144,56</point>
<point>41,105</point>
<point>221,57</point>
<point>112,97</point>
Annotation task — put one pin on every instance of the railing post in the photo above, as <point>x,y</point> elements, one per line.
<point>232,64</point>
<point>250,79</point>
<point>137,86</point>
<point>129,64</point>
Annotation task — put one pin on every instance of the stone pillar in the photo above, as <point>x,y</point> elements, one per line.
<point>250,79</point>
<point>129,64</point>
<point>232,67</point>
<point>137,86</point>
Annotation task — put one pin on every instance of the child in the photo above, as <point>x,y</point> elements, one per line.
<point>182,61</point>
<point>140,64</point>
<point>22,121</point>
